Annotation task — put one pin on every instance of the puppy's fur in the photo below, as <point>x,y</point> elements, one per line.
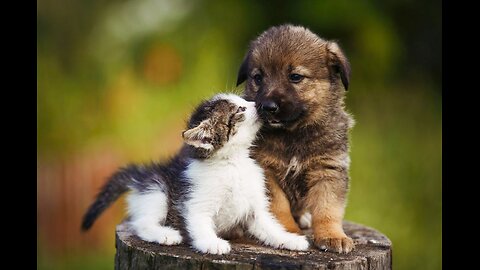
<point>209,189</point>
<point>303,145</point>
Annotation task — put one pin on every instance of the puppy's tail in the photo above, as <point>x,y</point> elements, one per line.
<point>116,185</point>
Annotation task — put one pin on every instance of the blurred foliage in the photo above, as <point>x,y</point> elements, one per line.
<point>125,72</point>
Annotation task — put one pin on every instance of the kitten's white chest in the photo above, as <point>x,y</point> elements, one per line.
<point>238,200</point>
<point>235,206</point>
<point>230,188</point>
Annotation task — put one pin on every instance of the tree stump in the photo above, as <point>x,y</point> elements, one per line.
<point>373,250</point>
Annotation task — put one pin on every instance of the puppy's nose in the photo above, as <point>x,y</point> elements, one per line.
<point>269,106</point>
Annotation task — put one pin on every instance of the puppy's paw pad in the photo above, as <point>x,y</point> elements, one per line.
<point>339,245</point>
<point>212,246</point>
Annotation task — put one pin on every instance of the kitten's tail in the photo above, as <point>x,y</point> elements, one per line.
<point>116,185</point>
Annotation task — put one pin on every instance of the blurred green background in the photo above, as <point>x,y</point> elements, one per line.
<point>117,80</point>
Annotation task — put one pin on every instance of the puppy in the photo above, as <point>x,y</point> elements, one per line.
<point>298,82</point>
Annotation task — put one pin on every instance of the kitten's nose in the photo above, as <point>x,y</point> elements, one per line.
<point>269,106</point>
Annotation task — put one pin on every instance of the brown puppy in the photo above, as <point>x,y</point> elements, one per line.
<point>298,83</point>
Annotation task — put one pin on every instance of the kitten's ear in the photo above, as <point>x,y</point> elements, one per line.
<point>200,136</point>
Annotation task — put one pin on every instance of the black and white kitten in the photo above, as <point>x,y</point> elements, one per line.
<point>208,189</point>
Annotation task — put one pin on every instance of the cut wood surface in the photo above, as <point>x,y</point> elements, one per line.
<point>372,251</point>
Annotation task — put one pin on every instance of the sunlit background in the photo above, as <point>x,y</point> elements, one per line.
<point>117,80</point>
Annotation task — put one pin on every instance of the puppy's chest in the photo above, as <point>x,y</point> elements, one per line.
<point>291,154</point>
<point>289,162</point>
<point>284,159</point>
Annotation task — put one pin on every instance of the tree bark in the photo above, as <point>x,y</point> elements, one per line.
<point>373,250</point>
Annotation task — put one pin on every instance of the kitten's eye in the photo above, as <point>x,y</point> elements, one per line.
<point>206,140</point>
<point>295,78</point>
<point>257,78</point>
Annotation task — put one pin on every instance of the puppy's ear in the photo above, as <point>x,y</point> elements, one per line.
<point>338,63</point>
<point>200,136</point>
<point>243,71</point>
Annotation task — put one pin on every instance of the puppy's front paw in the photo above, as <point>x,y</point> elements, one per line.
<point>212,246</point>
<point>341,245</point>
<point>295,242</point>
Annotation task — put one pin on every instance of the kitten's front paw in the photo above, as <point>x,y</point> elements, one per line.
<point>172,237</point>
<point>212,246</point>
<point>295,242</point>
<point>159,234</point>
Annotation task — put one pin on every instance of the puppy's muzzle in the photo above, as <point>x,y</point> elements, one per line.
<point>269,107</point>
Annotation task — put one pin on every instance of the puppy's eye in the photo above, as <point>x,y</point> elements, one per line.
<point>295,78</point>
<point>258,78</point>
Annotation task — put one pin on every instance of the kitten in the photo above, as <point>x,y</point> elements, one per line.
<point>208,189</point>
